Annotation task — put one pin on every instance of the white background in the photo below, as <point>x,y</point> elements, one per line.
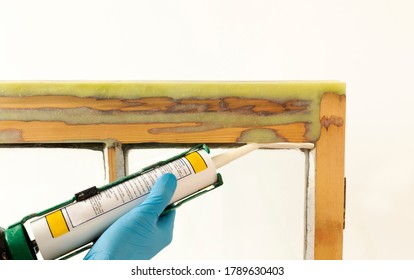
<point>367,44</point>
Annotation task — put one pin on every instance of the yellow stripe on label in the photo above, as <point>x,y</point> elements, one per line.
<point>57,224</point>
<point>196,161</point>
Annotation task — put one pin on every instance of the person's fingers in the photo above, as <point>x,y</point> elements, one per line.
<point>160,195</point>
<point>166,224</point>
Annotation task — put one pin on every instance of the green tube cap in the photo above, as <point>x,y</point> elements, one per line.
<point>18,243</point>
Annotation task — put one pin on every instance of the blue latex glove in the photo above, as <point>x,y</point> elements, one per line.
<point>142,232</point>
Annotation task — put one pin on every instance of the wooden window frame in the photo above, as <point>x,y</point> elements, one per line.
<point>120,113</point>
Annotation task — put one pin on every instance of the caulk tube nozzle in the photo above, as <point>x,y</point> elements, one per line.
<point>227,157</point>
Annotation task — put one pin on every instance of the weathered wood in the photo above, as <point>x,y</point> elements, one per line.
<point>52,132</point>
<point>329,173</point>
<point>117,113</point>
<point>165,112</point>
<point>255,106</point>
<point>115,162</point>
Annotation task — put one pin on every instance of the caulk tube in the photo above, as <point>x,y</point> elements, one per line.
<point>77,224</point>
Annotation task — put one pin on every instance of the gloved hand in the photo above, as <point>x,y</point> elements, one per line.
<point>142,232</point>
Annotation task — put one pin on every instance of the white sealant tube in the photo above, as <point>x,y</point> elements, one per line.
<point>80,223</point>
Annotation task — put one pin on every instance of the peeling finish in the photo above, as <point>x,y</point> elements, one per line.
<point>197,127</point>
<point>261,107</point>
<point>205,122</point>
<point>239,105</point>
<point>266,135</point>
<point>208,105</point>
<point>88,116</point>
<point>332,120</point>
<point>11,136</point>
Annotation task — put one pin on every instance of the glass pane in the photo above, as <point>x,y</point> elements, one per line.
<point>258,213</point>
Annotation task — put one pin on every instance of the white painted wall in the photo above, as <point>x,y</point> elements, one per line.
<point>368,44</point>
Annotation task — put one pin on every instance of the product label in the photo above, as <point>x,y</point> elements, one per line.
<point>57,223</point>
<point>119,195</point>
